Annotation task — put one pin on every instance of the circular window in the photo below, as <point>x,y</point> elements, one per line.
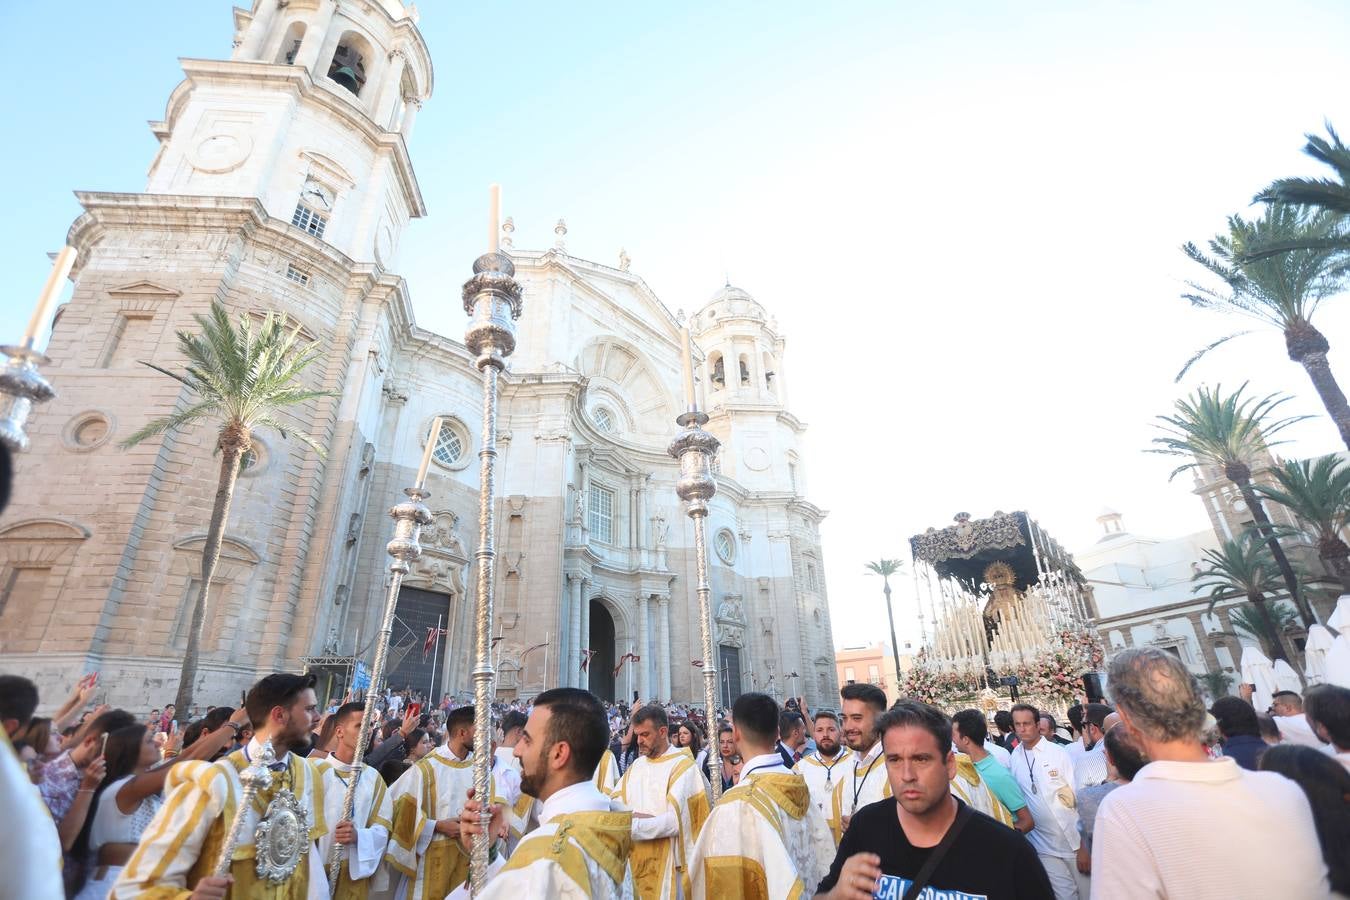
<point>253,460</point>
<point>1240,505</point>
<point>725,543</point>
<point>449,445</point>
<point>603,419</point>
<point>87,431</point>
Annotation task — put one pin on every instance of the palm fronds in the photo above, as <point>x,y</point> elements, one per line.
<point>1210,428</point>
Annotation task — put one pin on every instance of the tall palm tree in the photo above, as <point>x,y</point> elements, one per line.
<point>1229,433</point>
<point>886,568</point>
<point>1243,568</point>
<point>238,378</point>
<point>1283,290</point>
<point>1251,624</point>
<point>1317,492</point>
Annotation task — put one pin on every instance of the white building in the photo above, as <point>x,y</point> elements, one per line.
<point>283,182</point>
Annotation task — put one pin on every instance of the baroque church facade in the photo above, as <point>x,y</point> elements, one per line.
<point>283,182</point>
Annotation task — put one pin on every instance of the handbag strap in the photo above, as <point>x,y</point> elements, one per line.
<point>920,882</point>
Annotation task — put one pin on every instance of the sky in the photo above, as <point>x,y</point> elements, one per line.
<point>965,217</point>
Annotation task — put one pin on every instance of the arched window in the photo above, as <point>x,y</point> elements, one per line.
<point>290,44</point>
<point>769,372</point>
<point>348,67</point>
<point>745,372</point>
<point>719,375</point>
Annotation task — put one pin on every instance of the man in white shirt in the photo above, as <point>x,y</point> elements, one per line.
<point>1286,709</point>
<point>1089,766</point>
<point>1188,826</point>
<point>1328,711</point>
<point>1044,772</point>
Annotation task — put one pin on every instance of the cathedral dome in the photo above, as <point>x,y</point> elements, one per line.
<point>729,301</point>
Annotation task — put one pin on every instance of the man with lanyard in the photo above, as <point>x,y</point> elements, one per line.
<point>1045,773</point>
<point>428,798</point>
<point>365,835</point>
<point>927,842</point>
<point>178,851</point>
<point>863,780</point>
<point>764,838</point>
<point>819,768</point>
<point>581,849</point>
<point>669,801</point>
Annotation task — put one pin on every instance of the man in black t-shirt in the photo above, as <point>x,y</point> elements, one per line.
<point>887,843</point>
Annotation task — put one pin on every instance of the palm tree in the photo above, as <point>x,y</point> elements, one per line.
<point>1253,625</point>
<point>1321,193</point>
<point>1283,290</point>
<point>1317,492</point>
<point>1229,433</point>
<point>886,568</point>
<point>238,378</point>
<point>1243,568</point>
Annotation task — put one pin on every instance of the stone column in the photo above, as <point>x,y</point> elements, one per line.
<point>663,647</point>
<point>644,662</point>
<point>390,91</point>
<point>585,632</point>
<point>255,36</point>
<point>574,649</point>
<point>316,36</point>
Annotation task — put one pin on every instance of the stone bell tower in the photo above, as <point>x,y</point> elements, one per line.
<point>282,183</point>
<point>310,116</point>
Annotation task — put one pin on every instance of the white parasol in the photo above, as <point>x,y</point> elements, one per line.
<point>1315,654</point>
<point>1286,679</point>
<point>1257,671</point>
<point>1338,655</point>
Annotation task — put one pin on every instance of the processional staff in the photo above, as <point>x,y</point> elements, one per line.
<point>492,300</point>
<point>409,516</point>
<point>695,448</point>
<point>20,378</point>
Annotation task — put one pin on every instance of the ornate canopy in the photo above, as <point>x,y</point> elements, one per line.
<point>962,551</point>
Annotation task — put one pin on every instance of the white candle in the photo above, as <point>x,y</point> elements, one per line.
<point>56,280</point>
<point>687,359</point>
<point>494,218</point>
<point>426,455</point>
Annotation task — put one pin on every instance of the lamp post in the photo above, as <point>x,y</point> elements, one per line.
<point>492,301</point>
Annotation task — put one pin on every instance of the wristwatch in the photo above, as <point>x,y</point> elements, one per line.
<point>238,729</point>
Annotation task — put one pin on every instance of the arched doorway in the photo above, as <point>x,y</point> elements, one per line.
<point>601,639</point>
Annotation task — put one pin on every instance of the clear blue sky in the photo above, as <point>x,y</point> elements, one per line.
<point>966,217</point>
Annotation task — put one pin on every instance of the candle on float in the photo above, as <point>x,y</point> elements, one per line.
<point>426,455</point>
<point>494,218</point>
<point>687,360</point>
<point>56,280</point>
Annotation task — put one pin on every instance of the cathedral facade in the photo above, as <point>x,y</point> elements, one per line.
<point>283,182</point>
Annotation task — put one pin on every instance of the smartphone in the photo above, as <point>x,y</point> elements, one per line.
<point>173,726</point>
<point>415,709</point>
<point>103,748</point>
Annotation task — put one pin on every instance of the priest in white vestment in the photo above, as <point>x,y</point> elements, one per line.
<point>668,796</point>
<point>582,845</point>
<point>424,845</point>
<point>765,839</point>
<point>863,780</point>
<point>364,835</point>
<point>823,767</point>
<point>179,848</point>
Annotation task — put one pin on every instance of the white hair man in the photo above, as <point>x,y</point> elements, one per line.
<point>1188,826</point>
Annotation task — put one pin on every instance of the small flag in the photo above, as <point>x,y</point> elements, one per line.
<point>696,662</point>
<point>625,658</point>
<point>586,659</point>
<point>431,640</point>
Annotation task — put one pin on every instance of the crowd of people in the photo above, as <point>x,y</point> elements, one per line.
<point>1152,796</point>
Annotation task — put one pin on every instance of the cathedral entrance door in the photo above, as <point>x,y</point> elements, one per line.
<point>416,616</point>
<point>600,672</point>
<point>729,673</point>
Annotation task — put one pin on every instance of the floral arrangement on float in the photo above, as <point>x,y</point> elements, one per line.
<point>1052,677</point>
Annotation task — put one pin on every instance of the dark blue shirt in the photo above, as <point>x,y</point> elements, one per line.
<point>1245,749</point>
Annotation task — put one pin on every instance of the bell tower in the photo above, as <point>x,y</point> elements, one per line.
<point>310,117</point>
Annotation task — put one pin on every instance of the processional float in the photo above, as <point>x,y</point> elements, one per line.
<point>1000,594</point>
<point>20,381</point>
